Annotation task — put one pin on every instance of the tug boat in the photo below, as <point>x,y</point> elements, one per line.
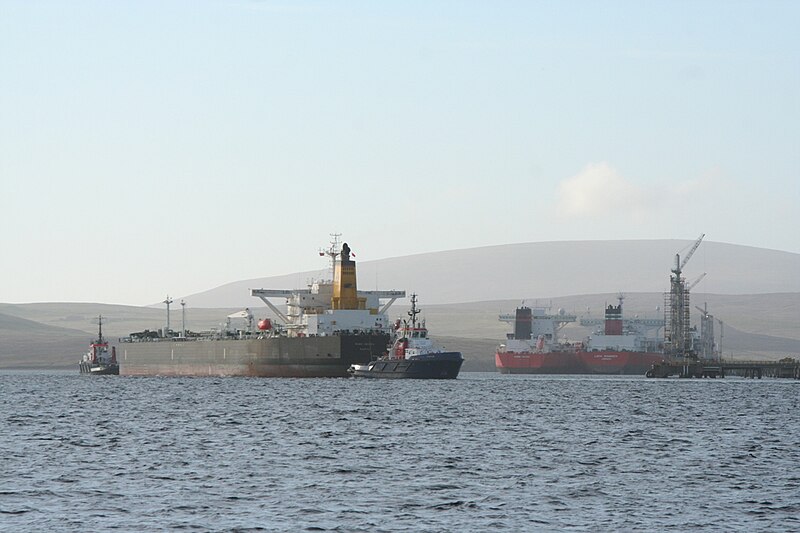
<point>412,354</point>
<point>98,361</point>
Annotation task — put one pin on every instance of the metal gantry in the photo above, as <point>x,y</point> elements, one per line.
<point>677,319</point>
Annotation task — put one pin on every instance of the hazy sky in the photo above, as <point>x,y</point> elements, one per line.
<point>159,147</point>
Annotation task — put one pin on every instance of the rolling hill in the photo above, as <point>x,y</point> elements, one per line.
<point>30,344</point>
<point>546,270</point>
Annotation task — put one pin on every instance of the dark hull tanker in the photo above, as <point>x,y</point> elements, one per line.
<point>323,330</point>
<point>328,356</point>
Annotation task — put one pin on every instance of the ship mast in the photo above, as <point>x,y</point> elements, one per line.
<point>414,311</point>
<point>332,251</point>
<point>100,329</point>
<point>167,330</point>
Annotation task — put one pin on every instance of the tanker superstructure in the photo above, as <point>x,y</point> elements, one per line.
<point>621,345</point>
<point>618,346</point>
<point>326,328</point>
<point>534,347</point>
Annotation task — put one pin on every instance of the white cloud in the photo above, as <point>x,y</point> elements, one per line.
<point>599,189</point>
<point>600,193</point>
<point>701,185</point>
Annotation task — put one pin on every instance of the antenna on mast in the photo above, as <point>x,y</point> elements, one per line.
<point>100,329</point>
<point>332,251</point>
<point>414,311</point>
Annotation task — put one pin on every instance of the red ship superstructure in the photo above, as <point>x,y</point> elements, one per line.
<point>534,346</point>
<point>620,345</point>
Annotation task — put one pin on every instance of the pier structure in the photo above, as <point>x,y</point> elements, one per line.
<point>688,355</point>
<point>693,368</point>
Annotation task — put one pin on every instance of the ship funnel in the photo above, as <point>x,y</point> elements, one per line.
<point>523,324</point>
<point>613,321</point>
<point>345,292</point>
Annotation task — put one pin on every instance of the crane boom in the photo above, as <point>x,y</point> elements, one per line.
<point>695,282</point>
<point>691,251</point>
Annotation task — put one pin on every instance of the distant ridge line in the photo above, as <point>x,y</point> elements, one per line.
<point>549,269</point>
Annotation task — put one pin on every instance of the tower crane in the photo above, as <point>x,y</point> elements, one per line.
<point>680,264</point>
<point>692,250</point>
<point>677,333</point>
<point>696,281</point>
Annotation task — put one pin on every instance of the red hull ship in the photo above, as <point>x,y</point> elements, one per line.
<point>533,348</point>
<point>536,363</point>
<point>618,346</point>
<point>612,362</point>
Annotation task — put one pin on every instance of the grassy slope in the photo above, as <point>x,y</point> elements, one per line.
<point>25,343</point>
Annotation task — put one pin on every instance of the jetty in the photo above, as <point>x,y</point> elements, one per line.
<point>788,368</point>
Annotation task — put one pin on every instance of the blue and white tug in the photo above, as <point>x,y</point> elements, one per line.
<point>412,354</point>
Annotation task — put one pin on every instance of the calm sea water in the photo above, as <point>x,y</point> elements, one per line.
<point>484,452</point>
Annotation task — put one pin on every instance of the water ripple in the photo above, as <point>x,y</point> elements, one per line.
<point>484,452</point>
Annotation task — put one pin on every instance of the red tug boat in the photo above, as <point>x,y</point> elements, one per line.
<point>98,361</point>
